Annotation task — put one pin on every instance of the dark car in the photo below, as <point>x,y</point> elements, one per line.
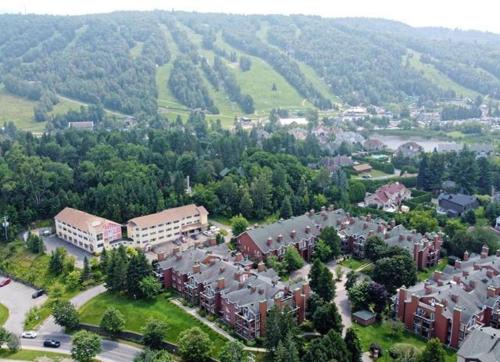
<point>51,343</point>
<point>4,282</point>
<point>38,293</point>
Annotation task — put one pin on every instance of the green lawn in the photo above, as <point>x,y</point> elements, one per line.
<point>353,263</point>
<point>426,274</point>
<point>381,333</point>
<point>137,312</point>
<point>4,314</point>
<point>20,111</point>
<point>30,355</point>
<point>437,77</point>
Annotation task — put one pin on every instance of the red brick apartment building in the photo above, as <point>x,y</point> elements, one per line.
<point>302,232</point>
<point>227,287</point>
<point>454,302</point>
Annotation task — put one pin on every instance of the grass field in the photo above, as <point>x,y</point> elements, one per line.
<point>438,78</point>
<point>426,274</point>
<point>29,355</point>
<point>20,111</point>
<point>354,264</point>
<point>381,334</point>
<point>4,314</point>
<point>137,312</point>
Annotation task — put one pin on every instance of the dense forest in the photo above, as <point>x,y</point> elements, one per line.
<point>112,60</point>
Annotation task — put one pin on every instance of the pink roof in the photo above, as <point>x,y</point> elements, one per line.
<point>386,192</point>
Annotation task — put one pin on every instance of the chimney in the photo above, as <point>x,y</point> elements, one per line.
<point>221,269</point>
<point>253,288</point>
<point>466,255</point>
<point>279,239</point>
<point>492,291</point>
<point>472,284</point>
<point>324,215</point>
<point>237,275</point>
<point>278,302</point>
<point>339,222</point>
<point>476,266</point>
<point>178,256</point>
<point>323,208</point>
<point>331,207</point>
<point>269,241</point>
<point>293,233</point>
<point>196,268</point>
<point>490,273</point>
<point>465,273</point>
<point>220,283</point>
<point>308,229</point>
<point>365,226</point>
<point>454,298</point>
<point>261,291</point>
<point>311,212</point>
<point>380,228</point>
<point>386,236</point>
<point>212,241</point>
<point>263,316</point>
<point>437,275</point>
<point>408,237</point>
<point>427,288</point>
<point>238,257</point>
<point>458,264</point>
<point>306,289</point>
<point>261,267</point>
<point>484,251</point>
<point>160,256</point>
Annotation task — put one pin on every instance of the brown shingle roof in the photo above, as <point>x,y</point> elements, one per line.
<point>362,168</point>
<point>173,214</point>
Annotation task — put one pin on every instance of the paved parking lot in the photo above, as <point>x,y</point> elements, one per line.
<point>17,298</point>
<point>52,242</point>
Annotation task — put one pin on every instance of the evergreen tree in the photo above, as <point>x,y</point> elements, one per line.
<point>246,204</point>
<point>138,269</point>
<point>104,261</point>
<point>286,208</point>
<point>423,173</point>
<point>85,275</point>
<point>321,280</point>
<point>353,345</point>
<point>56,262</point>
<point>287,350</point>
<point>326,317</point>
<point>485,178</point>
<point>115,280</point>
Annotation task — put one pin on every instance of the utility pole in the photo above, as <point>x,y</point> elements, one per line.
<point>5,225</point>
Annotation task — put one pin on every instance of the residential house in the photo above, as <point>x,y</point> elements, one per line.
<point>167,225</point>
<point>299,133</point>
<point>409,149</point>
<point>456,204</point>
<point>86,231</point>
<point>226,286</point>
<point>388,197</point>
<point>455,301</point>
<point>362,168</point>
<point>299,121</point>
<point>373,145</point>
<point>83,125</point>
<point>334,163</point>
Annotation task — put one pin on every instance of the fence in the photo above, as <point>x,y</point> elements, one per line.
<point>133,337</point>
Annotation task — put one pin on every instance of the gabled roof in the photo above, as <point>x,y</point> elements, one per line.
<point>176,213</point>
<point>82,220</point>
<point>482,344</point>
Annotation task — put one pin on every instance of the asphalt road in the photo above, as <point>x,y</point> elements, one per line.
<point>111,351</point>
<point>17,298</point>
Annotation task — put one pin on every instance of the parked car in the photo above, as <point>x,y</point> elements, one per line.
<point>38,293</point>
<point>4,282</point>
<point>29,334</point>
<point>51,343</point>
<point>46,232</point>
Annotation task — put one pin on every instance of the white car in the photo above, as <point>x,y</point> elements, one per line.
<point>29,334</point>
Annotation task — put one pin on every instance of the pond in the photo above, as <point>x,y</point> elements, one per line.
<point>393,142</point>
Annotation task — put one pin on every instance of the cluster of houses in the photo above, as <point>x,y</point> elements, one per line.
<point>456,303</point>
<point>388,197</point>
<point>93,233</point>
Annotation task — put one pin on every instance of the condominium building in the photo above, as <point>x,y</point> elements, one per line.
<point>225,285</point>
<point>454,302</point>
<point>87,231</point>
<point>302,232</point>
<point>167,225</point>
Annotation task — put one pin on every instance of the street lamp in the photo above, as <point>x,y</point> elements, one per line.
<point>5,225</point>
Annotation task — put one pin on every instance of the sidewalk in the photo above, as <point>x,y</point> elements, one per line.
<point>212,325</point>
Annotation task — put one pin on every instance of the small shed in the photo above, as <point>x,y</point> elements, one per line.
<point>364,317</point>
